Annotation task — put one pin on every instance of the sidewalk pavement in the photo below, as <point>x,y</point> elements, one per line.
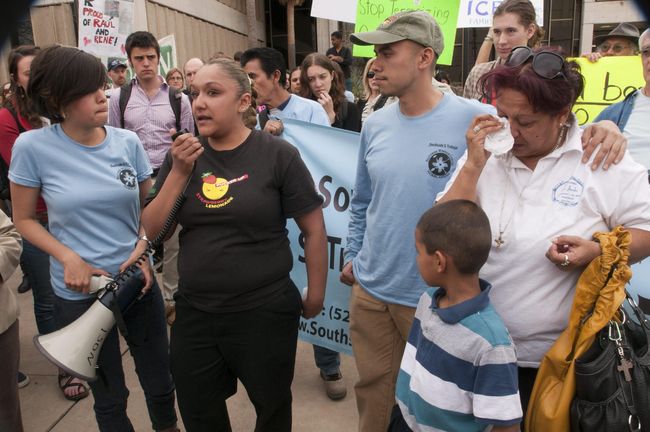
<point>45,409</point>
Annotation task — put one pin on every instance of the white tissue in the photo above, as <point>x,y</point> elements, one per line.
<point>501,141</point>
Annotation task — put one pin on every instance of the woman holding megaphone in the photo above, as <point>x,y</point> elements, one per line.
<point>93,179</point>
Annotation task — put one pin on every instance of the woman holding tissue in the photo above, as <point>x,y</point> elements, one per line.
<point>543,203</point>
<point>237,310</point>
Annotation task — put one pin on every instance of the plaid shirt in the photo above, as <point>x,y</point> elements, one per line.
<point>472,89</point>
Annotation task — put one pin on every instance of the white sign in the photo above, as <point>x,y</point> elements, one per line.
<point>104,26</point>
<point>337,10</point>
<point>478,13</point>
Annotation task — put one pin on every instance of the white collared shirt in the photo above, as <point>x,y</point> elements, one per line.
<point>562,196</point>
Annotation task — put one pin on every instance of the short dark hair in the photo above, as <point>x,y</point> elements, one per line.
<point>460,229</point>
<point>270,59</point>
<point>337,34</point>
<point>61,75</point>
<point>237,56</point>
<point>141,39</point>
<point>550,96</point>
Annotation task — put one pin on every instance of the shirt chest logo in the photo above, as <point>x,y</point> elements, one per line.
<point>568,192</point>
<point>127,177</point>
<point>439,164</point>
<point>214,190</point>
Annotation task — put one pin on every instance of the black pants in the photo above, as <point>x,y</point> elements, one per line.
<point>210,351</point>
<point>145,322</point>
<point>397,422</point>
<point>526,377</point>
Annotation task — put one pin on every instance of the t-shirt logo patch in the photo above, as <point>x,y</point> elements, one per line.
<point>128,178</point>
<point>439,163</point>
<point>568,192</point>
<point>214,190</point>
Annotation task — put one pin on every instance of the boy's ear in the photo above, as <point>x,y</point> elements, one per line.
<point>440,261</point>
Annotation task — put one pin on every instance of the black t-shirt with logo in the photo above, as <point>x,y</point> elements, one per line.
<point>234,250</point>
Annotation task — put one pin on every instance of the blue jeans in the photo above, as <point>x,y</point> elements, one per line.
<point>327,361</point>
<point>148,344</point>
<point>36,265</point>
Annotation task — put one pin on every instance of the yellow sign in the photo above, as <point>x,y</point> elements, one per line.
<point>607,81</point>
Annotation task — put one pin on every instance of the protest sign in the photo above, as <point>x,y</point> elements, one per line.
<point>331,157</point>
<point>337,10</point>
<point>104,26</point>
<point>371,13</point>
<point>607,81</point>
<point>167,54</point>
<point>478,13</point>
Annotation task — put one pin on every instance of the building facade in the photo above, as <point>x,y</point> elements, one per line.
<point>200,27</point>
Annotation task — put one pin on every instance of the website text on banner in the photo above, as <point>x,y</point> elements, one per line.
<point>104,26</point>
<point>331,157</point>
<point>478,13</point>
<point>371,13</point>
<point>607,81</point>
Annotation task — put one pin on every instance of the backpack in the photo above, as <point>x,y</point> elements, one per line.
<point>174,101</point>
<point>5,193</point>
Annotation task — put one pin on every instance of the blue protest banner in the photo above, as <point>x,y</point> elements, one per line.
<point>639,286</point>
<point>331,156</point>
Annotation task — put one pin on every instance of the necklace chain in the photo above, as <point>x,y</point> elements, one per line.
<point>499,241</point>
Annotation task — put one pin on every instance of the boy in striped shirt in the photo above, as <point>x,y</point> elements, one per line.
<point>459,369</point>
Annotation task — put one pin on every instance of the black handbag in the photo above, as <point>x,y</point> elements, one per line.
<point>613,377</point>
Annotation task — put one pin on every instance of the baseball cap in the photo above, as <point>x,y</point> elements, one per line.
<point>414,25</point>
<point>115,63</point>
<point>623,30</point>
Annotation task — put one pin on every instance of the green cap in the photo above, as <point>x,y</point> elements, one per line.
<point>414,25</point>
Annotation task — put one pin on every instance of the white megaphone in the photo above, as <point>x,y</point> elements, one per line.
<point>75,348</point>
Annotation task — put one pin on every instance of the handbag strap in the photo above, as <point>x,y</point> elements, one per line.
<point>617,336</point>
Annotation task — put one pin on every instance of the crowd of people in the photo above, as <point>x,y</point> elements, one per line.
<point>462,263</point>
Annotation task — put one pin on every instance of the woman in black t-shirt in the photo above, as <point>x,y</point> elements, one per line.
<point>322,80</point>
<point>237,311</point>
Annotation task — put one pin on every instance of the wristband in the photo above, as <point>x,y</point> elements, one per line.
<point>488,38</point>
<point>143,237</point>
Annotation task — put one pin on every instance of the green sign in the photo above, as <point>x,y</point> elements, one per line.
<point>371,13</point>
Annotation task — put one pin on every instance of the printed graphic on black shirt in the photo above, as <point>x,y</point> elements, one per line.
<point>128,178</point>
<point>214,190</point>
<point>439,163</point>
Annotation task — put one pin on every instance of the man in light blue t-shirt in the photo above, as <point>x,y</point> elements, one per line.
<point>265,66</point>
<point>407,153</point>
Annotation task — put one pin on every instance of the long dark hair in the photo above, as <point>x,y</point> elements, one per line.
<point>18,100</point>
<point>61,75</point>
<point>337,90</point>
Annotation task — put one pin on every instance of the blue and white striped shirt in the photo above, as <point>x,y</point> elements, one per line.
<point>459,370</point>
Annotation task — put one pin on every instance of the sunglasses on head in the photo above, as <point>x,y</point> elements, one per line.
<point>545,63</point>
<point>370,74</point>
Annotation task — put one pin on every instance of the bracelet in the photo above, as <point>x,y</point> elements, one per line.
<point>488,38</point>
<point>143,237</point>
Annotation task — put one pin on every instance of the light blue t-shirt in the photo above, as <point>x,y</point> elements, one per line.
<point>92,194</point>
<point>403,163</point>
<point>300,108</point>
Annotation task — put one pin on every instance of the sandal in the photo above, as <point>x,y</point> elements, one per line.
<point>65,382</point>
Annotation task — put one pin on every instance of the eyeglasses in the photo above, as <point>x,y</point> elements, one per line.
<point>616,48</point>
<point>370,74</point>
<point>545,63</point>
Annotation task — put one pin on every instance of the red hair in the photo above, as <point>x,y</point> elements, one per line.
<point>551,96</point>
